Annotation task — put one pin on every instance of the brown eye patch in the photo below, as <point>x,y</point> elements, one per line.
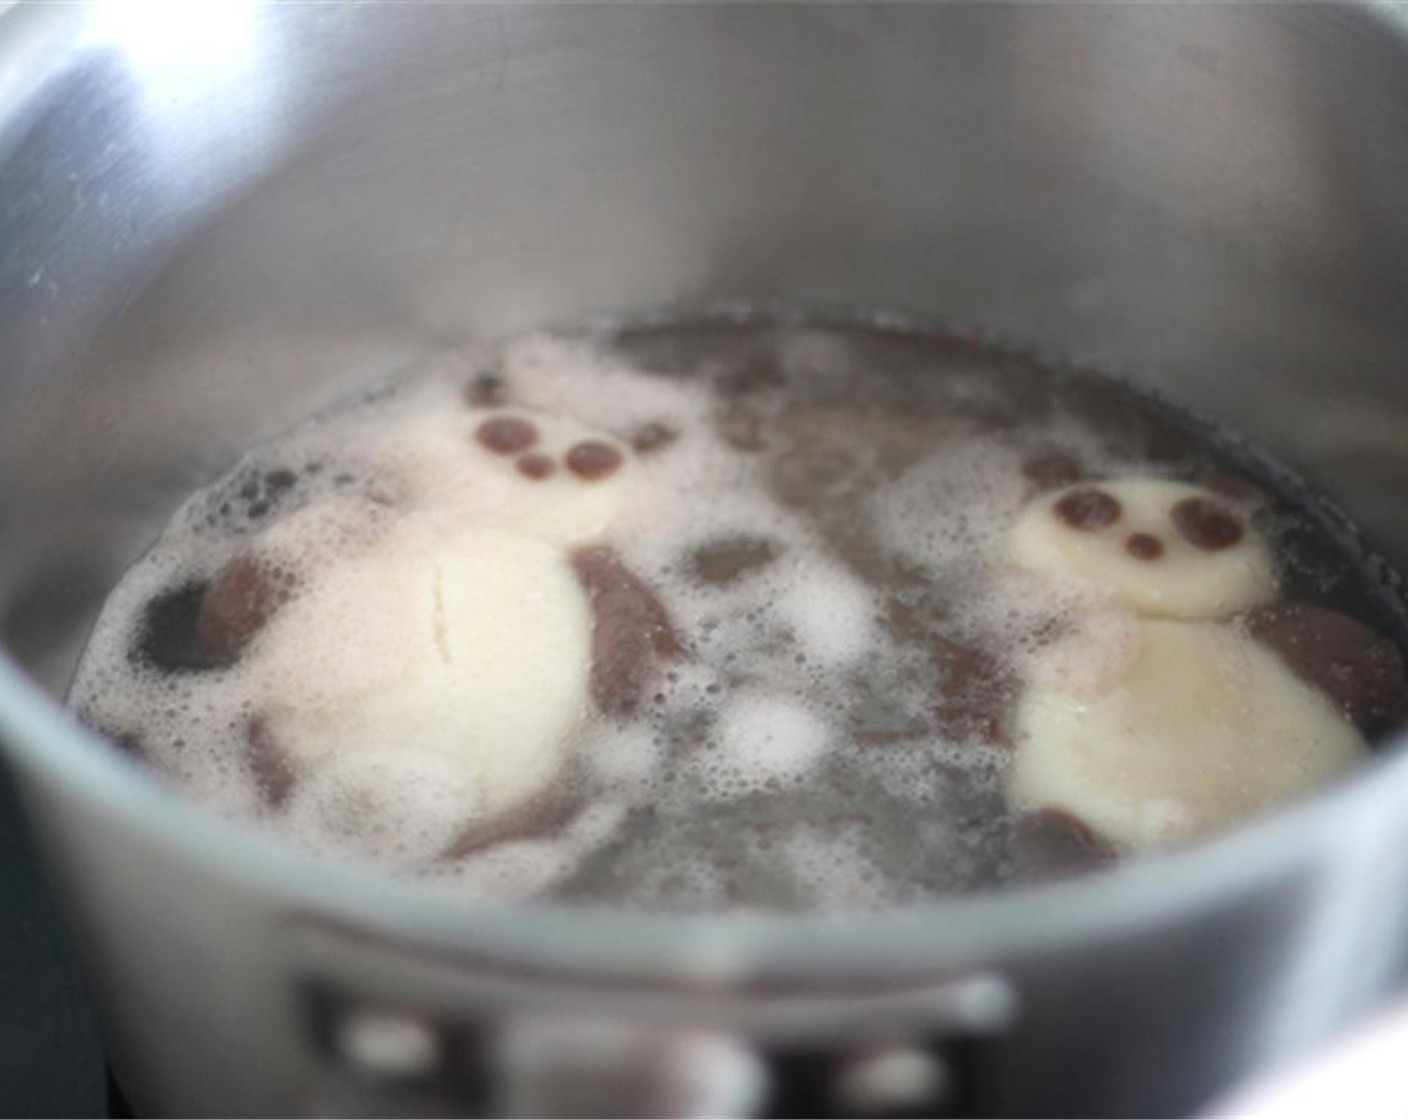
<point>507,435</point>
<point>591,459</point>
<point>1088,508</point>
<point>1206,524</point>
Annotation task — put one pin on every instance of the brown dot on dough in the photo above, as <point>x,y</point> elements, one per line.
<point>1087,508</point>
<point>632,632</point>
<point>1052,843</point>
<point>237,603</point>
<point>536,466</point>
<point>1360,671</point>
<point>1206,524</point>
<point>1144,546</point>
<point>592,459</point>
<point>507,435</point>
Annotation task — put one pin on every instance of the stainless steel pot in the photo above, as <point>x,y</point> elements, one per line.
<point>213,217</point>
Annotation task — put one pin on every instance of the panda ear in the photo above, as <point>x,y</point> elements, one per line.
<point>1161,548</point>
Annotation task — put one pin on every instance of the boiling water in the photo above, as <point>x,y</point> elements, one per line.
<point>808,637</point>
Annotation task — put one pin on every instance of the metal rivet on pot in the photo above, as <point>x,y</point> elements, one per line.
<point>388,1044</point>
<point>893,1079</point>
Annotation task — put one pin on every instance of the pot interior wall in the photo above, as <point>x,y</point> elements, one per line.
<point>212,224</point>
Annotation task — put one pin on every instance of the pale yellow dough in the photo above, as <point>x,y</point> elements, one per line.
<point>1184,582</point>
<point>439,463</point>
<point>1185,729</point>
<point>468,642</point>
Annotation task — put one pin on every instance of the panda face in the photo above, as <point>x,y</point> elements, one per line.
<point>1163,549</point>
<point>529,472</point>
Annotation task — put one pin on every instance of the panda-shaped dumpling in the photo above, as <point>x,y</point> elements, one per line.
<point>527,472</point>
<point>1156,719</point>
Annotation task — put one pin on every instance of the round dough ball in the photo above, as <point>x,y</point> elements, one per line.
<point>471,643</point>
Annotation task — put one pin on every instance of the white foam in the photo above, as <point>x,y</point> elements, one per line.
<point>686,880</point>
<point>832,612</point>
<point>622,759</point>
<point>577,379</point>
<point>952,508</point>
<point>523,868</point>
<point>834,868</point>
<point>402,809</point>
<point>763,741</point>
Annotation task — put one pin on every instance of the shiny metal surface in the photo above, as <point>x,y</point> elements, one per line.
<point>1360,1075</point>
<point>214,217</point>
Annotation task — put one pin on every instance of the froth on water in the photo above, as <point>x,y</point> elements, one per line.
<point>707,614</point>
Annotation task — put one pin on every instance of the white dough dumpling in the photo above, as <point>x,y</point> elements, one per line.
<point>1197,727</point>
<point>469,643</point>
<point>529,472</point>
<point>1165,549</point>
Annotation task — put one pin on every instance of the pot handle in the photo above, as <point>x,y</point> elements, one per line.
<point>394,1032</point>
